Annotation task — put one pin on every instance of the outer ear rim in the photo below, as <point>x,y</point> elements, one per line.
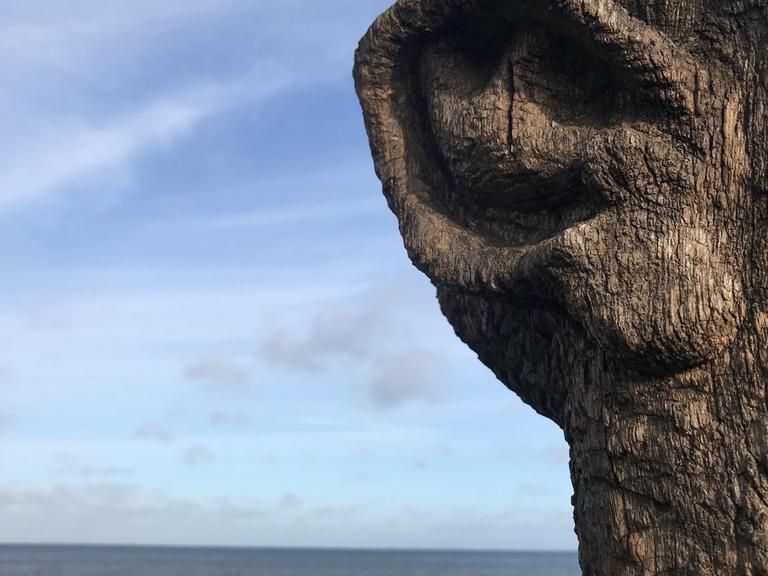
<point>448,253</point>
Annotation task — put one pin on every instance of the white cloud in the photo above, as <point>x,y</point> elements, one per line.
<point>153,433</point>
<point>355,329</point>
<point>86,512</point>
<point>66,152</point>
<point>74,48</point>
<point>340,332</point>
<point>29,28</point>
<point>69,464</point>
<point>226,418</point>
<point>197,455</point>
<point>369,334</point>
<point>290,501</point>
<point>410,376</point>
<point>219,374</point>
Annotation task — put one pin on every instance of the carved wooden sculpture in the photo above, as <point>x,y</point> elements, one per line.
<point>585,182</point>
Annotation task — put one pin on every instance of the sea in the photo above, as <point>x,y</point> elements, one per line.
<point>140,561</point>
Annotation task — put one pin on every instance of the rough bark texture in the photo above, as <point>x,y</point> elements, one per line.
<point>584,181</point>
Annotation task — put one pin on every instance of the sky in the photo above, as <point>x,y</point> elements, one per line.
<point>210,333</point>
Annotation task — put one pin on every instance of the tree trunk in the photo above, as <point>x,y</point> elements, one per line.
<point>584,181</point>
<point>671,476</point>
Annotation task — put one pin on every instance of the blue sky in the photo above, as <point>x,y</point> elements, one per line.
<point>210,331</point>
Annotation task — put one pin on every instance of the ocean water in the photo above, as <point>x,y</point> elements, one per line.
<point>137,561</point>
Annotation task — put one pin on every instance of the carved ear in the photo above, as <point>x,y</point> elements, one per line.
<point>409,166</point>
<point>406,161</point>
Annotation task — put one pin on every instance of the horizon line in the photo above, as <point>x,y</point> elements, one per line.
<point>286,548</point>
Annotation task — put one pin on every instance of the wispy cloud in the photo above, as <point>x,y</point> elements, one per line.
<point>218,373</point>
<point>227,418</point>
<point>197,455</point>
<point>63,34</point>
<point>93,506</point>
<point>409,376</point>
<point>66,152</point>
<point>355,329</point>
<point>153,433</point>
<point>289,501</point>
<point>168,57</point>
<point>342,332</point>
<point>366,335</point>
<point>68,464</point>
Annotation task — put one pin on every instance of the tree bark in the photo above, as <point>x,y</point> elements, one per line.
<point>671,475</point>
<point>584,181</point>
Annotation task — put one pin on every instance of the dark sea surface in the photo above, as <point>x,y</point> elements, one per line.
<point>137,561</point>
